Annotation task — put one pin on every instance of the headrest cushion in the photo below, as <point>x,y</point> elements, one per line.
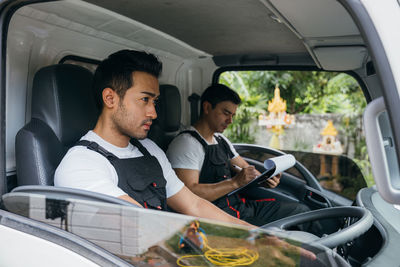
<point>169,108</point>
<point>62,98</point>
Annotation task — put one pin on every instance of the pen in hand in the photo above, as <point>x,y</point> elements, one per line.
<point>237,168</point>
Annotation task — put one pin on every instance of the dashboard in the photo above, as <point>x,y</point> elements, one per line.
<point>379,245</point>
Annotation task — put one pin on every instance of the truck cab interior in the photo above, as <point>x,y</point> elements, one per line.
<point>50,50</point>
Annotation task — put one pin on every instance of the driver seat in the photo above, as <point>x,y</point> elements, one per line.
<point>63,110</point>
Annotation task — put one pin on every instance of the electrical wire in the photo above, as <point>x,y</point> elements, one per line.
<point>224,256</point>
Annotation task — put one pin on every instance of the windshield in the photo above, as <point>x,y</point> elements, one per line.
<point>152,238</point>
<point>314,115</point>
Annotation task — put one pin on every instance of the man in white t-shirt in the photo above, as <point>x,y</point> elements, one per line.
<point>115,158</point>
<point>202,158</point>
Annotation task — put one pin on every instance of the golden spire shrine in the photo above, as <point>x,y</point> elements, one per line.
<point>277,104</point>
<point>276,119</point>
<point>329,129</point>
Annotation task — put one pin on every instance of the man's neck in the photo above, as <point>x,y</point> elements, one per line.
<point>110,134</point>
<point>205,131</point>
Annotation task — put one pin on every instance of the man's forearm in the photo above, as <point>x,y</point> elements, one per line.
<point>128,198</point>
<point>213,191</point>
<point>186,202</point>
<point>206,209</point>
<point>210,191</point>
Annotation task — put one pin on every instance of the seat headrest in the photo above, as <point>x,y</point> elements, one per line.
<point>169,108</point>
<point>62,98</point>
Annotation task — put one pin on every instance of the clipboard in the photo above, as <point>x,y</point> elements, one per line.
<point>272,166</point>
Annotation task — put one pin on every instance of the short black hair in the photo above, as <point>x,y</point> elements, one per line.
<point>217,93</point>
<point>116,71</point>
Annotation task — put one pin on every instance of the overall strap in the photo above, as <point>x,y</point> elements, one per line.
<point>197,136</point>
<point>219,139</point>
<point>96,147</point>
<point>223,142</point>
<point>141,148</point>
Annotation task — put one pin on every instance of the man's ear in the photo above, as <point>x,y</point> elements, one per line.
<point>110,97</point>
<point>206,107</point>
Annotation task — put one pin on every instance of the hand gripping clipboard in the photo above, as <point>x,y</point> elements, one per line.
<point>272,166</point>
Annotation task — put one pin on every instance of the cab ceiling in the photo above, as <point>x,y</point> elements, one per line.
<point>217,27</point>
<point>313,32</point>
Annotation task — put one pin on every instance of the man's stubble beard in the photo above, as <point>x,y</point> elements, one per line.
<point>123,123</point>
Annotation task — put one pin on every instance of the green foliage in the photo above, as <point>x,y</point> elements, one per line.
<point>365,165</point>
<point>300,145</point>
<point>305,91</point>
<point>242,131</point>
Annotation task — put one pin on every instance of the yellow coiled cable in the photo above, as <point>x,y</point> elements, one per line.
<point>224,257</point>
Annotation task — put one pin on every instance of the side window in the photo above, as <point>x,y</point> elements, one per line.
<point>316,116</point>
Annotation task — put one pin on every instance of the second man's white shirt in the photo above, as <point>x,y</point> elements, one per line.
<point>186,152</point>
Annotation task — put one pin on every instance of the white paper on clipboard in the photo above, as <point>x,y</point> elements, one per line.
<point>272,166</point>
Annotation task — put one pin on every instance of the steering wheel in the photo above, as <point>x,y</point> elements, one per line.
<point>335,239</point>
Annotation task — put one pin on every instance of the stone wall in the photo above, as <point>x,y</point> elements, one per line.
<point>305,133</point>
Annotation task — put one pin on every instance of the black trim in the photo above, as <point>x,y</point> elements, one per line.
<point>194,100</point>
<point>381,64</point>
<point>370,68</point>
<point>80,59</point>
<point>219,71</point>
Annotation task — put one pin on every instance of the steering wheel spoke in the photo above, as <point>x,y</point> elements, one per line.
<point>351,232</point>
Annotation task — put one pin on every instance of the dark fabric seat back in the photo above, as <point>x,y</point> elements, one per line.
<point>168,122</point>
<point>63,109</point>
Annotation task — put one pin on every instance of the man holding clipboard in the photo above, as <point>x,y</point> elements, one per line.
<point>202,158</point>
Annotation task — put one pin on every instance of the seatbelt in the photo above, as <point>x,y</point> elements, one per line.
<point>194,107</point>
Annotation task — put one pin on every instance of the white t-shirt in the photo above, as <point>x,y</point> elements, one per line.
<point>86,169</point>
<point>186,152</point>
